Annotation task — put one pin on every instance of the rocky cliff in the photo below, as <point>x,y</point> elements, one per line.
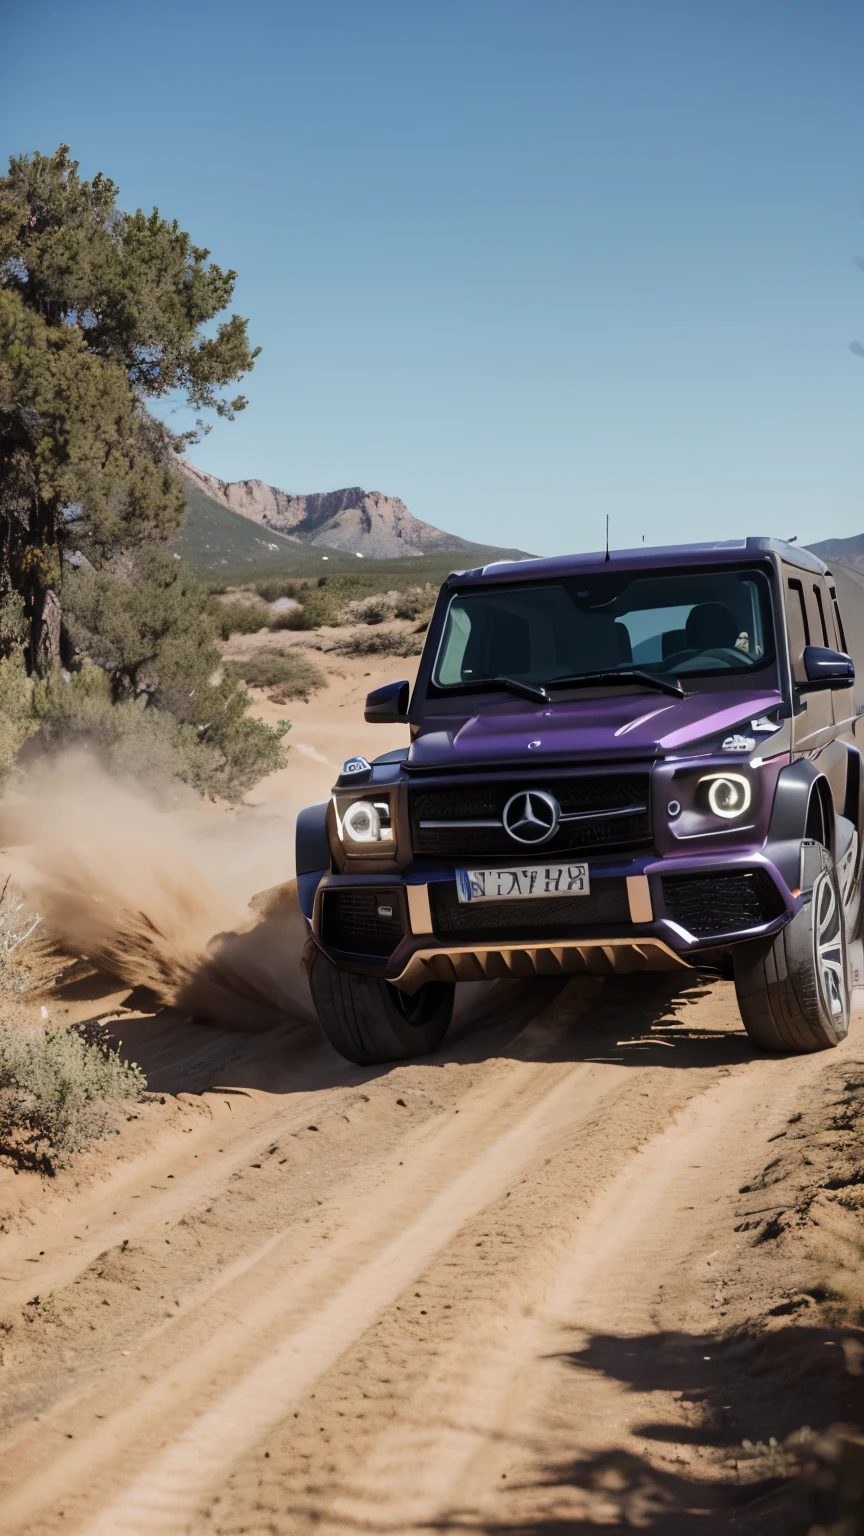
<point>362,522</point>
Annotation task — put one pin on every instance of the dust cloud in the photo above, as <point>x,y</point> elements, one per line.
<point>161,898</point>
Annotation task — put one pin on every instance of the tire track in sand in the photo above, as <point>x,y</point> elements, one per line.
<point>380,1252</point>
<point>503,1396</point>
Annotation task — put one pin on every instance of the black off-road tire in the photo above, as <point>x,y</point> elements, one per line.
<point>371,1022</point>
<point>793,990</point>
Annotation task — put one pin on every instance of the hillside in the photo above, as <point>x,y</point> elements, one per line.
<point>352,520</point>
<point>847,551</point>
<point>221,544</point>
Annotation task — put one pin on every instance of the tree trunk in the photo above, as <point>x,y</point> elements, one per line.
<point>45,630</point>
<point>42,566</point>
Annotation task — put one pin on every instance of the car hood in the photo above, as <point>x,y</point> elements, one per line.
<point>618,726</point>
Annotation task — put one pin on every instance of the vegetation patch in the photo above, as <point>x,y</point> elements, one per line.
<point>357,598</point>
<point>57,1093</point>
<point>386,642</point>
<point>286,675</point>
<point>21,942</point>
<point>106,638</point>
<point>239,618</point>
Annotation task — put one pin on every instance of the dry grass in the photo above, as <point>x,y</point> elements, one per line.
<point>57,1093</point>
<point>380,643</point>
<point>23,945</point>
<point>285,674</point>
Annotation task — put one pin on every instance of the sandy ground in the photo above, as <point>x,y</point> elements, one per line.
<point>549,1280</point>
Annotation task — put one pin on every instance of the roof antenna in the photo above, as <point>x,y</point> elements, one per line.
<point>607,535</point>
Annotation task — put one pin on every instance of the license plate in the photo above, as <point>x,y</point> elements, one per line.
<point>517,884</point>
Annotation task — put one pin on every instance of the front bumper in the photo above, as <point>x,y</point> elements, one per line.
<point>646,914</point>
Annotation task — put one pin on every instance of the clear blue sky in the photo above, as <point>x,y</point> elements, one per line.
<point>521,262</point>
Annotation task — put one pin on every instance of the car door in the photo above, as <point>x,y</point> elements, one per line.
<point>843,698</point>
<point>813,729</point>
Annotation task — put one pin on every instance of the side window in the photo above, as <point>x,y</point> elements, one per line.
<point>798,625</point>
<point>841,633</point>
<point>820,609</point>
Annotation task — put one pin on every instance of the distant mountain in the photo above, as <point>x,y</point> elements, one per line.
<point>847,551</point>
<point>351,520</point>
<point>220,544</point>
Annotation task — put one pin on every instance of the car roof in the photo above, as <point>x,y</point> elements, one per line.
<point>644,557</point>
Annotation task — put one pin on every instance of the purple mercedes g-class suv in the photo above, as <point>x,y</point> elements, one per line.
<point>638,762</point>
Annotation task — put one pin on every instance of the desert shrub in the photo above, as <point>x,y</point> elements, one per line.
<point>370,610</point>
<point>320,605</point>
<point>283,618</point>
<point>238,618</point>
<point>150,629</point>
<point>20,939</point>
<point>13,622</point>
<point>380,643</point>
<point>288,675</point>
<point>128,737</point>
<point>16,710</point>
<point>274,587</point>
<point>224,756</point>
<point>412,602</point>
<point>57,1092</point>
<point>346,599</point>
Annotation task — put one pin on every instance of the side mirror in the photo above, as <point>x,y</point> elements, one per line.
<point>388,705</point>
<point>827,669</point>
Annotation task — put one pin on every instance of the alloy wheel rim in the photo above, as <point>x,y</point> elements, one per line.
<point>829,948</point>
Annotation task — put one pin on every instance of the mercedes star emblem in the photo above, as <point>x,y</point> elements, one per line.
<point>531,816</point>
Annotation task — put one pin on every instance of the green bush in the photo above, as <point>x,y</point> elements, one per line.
<point>275,587</point>
<point>240,618</point>
<point>321,605</point>
<point>287,674</point>
<point>381,643</point>
<point>149,628</point>
<point>226,755</point>
<point>284,619</point>
<point>411,603</point>
<point>369,610</point>
<point>57,1091</point>
<point>329,600</point>
<point>16,709</point>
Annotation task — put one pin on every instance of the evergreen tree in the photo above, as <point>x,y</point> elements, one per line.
<point>101,311</point>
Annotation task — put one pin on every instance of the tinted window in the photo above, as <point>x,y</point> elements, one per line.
<point>693,623</point>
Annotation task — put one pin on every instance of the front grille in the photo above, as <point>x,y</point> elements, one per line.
<point>709,905</point>
<point>351,921</point>
<point>543,916</point>
<point>582,795</point>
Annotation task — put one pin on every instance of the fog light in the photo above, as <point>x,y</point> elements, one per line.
<point>362,822</point>
<point>728,794</point>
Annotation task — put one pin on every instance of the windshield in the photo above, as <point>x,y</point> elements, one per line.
<point>690,624</point>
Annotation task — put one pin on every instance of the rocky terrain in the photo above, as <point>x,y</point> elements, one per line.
<point>367,522</point>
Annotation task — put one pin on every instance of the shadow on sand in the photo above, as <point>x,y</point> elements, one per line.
<point>634,1022</point>
<point>699,1480</point>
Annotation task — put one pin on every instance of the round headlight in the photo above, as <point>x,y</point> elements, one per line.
<point>362,822</point>
<point>729,795</point>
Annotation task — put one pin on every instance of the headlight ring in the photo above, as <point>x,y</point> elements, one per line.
<point>729,794</point>
<point>366,821</point>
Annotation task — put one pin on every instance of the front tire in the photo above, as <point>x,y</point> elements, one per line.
<point>370,1022</point>
<point>793,989</point>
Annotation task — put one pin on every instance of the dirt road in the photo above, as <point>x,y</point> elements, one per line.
<point>483,1292</point>
<point>549,1280</point>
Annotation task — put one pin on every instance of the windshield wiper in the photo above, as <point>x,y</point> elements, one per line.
<point>632,675</point>
<point>533,691</point>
